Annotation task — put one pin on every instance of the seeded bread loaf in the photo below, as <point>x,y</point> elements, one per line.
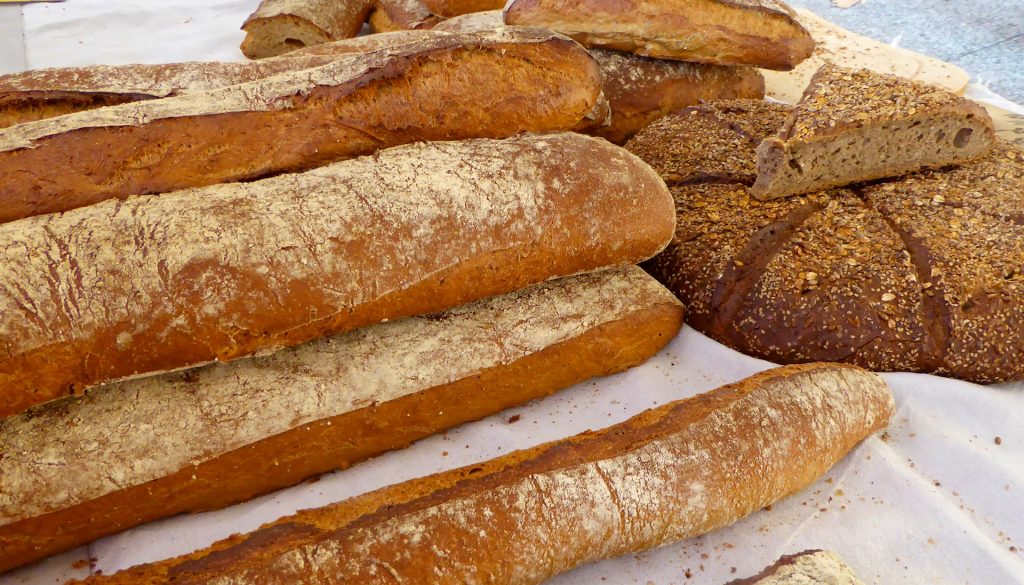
<point>923,273</point>
<point>122,457</point>
<point>812,567</point>
<point>149,284</point>
<point>759,33</point>
<point>46,93</point>
<point>640,89</point>
<point>281,26</point>
<point>471,85</point>
<point>852,126</point>
<point>673,472</point>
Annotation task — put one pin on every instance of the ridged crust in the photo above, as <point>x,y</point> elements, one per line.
<point>355,105</point>
<point>230,270</point>
<point>923,273</point>
<point>669,473</point>
<point>756,33</point>
<point>265,423</point>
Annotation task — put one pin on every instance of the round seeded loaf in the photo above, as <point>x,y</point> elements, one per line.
<point>923,273</point>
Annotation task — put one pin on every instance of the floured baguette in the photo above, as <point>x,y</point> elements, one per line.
<point>472,85</point>
<point>150,284</point>
<point>673,472</point>
<point>813,567</point>
<point>281,26</point>
<point>639,89</point>
<point>46,93</point>
<point>270,422</point>
<point>760,33</point>
<point>852,126</point>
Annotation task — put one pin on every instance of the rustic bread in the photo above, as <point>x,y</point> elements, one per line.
<point>640,89</point>
<point>673,472</point>
<point>450,8</point>
<point>395,15</point>
<point>921,273</point>
<point>812,567</point>
<point>270,422</point>
<point>852,126</point>
<point>760,33</point>
<point>158,283</point>
<point>470,85</point>
<point>46,93</point>
<point>281,26</point>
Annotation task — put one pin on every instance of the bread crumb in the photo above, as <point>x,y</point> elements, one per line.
<point>999,441</point>
<point>514,419</point>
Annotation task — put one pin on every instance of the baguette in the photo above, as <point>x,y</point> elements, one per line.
<point>450,8</point>
<point>281,26</point>
<point>270,422</point>
<point>396,15</point>
<point>483,85</point>
<point>131,287</point>
<point>811,567</point>
<point>674,472</point>
<point>758,33</point>
<point>47,93</point>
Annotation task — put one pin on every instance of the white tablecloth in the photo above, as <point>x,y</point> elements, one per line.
<point>936,500</point>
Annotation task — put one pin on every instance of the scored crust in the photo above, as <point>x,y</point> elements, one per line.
<point>922,273</point>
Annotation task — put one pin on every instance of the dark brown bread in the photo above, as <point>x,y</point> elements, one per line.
<point>281,26</point>
<point>469,85</point>
<point>151,284</point>
<point>674,472</point>
<point>922,273</point>
<point>811,567</point>
<point>853,126</point>
<point>759,33</point>
<point>265,423</point>
<point>46,93</point>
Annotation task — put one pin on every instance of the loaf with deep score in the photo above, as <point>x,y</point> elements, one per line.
<point>149,284</point>
<point>674,472</point>
<point>488,85</point>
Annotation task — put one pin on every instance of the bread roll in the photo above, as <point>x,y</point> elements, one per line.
<point>281,26</point>
<point>484,85</point>
<point>921,273</point>
<point>46,93</point>
<point>759,33</point>
<point>128,453</point>
<point>149,284</point>
<point>853,126</point>
<point>674,472</point>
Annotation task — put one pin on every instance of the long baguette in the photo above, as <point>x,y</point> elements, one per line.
<point>282,26</point>
<point>460,86</point>
<point>46,93</point>
<point>160,283</point>
<point>670,473</point>
<point>140,450</point>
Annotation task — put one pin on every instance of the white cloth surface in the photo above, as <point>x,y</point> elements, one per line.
<point>935,501</point>
<point>12,47</point>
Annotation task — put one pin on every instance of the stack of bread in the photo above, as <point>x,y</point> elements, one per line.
<point>221,279</point>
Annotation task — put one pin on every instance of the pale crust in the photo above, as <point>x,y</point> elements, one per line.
<point>670,473</point>
<point>230,270</point>
<point>106,439</point>
<point>807,568</point>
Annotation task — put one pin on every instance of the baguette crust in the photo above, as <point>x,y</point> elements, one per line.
<point>281,26</point>
<point>270,422</point>
<point>47,93</point>
<point>450,8</point>
<point>920,273</point>
<point>669,473</point>
<point>230,270</point>
<point>395,15</point>
<point>759,33</point>
<point>355,105</point>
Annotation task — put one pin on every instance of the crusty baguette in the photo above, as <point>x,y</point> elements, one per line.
<point>463,86</point>
<point>450,8</point>
<point>159,283</point>
<point>270,422</point>
<point>281,26</point>
<point>396,15</point>
<point>46,93</point>
<point>674,472</point>
<point>853,126</point>
<point>812,567</point>
<point>759,33</point>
